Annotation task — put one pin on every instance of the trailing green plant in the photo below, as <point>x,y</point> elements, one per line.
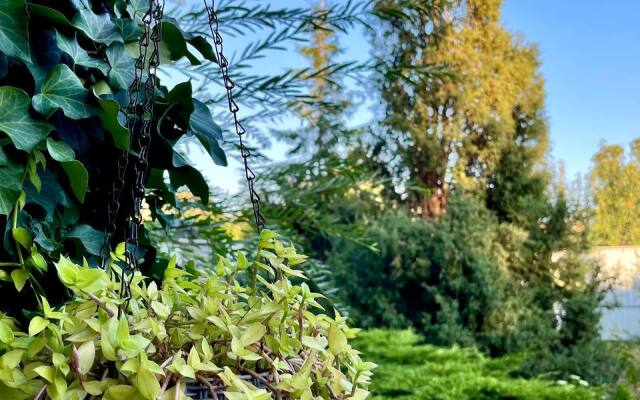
<point>197,325</point>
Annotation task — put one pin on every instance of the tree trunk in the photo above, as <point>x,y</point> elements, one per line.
<point>434,203</point>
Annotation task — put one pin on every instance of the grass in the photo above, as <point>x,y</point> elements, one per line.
<point>409,369</point>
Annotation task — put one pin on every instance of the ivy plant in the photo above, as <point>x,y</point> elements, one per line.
<point>65,67</point>
<point>207,327</point>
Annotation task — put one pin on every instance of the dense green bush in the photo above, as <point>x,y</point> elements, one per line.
<point>469,279</point>
<point>438,277</point>
<point>408,369</point>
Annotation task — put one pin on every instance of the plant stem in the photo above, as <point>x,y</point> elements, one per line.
<point>260,378</point>
<point>10,264</point>
<point>40,393</point>
<point>101,304</point>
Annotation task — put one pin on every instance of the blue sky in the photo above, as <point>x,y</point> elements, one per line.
<point>590,53</point>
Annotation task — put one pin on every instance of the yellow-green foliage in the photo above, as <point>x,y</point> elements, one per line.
<point>408,369</point>
<point>210,327</point>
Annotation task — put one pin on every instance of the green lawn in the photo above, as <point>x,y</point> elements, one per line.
<point>411,370</point>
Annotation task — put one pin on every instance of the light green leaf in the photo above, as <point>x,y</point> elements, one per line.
<point>67,271</point>
<point>90,238</point>
<point>122,392</point>
<point>21,235</point>
<point>14,33</point>
<point>317,343</point>
<point>86,354</point>
<point>94,388</point>
<point>122,66</point>
<point>97,27</point>
<point>15,120</point>
<point>337,340</point>
<point>91,280</point>
<point>147,384</point>
<point>63,90</point>
<point>20,277</point>
<point>37,260</point>
<point>78,178</point>
<point>60,151</point>
<point>253,334</point>
<point>80,55</point>
<point>6,333</point>
<point>37,325</point>
<point>46,372</point>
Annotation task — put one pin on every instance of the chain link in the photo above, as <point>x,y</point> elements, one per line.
<point>139,113</point>
<point>139,123</point>
<point>233,108</point>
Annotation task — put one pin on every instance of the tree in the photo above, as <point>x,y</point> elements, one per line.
<point>615,181</point>
<point>451,131</point>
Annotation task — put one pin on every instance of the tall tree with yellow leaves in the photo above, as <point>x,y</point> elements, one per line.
<point>451,132</point>
<point>615,180</point>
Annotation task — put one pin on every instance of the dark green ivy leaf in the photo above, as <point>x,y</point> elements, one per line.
<point>10,186</point>
<point>191,178</point>
<point>79,55</point>
<point>108,114</point>
<point>122,66</point>
<point>62,89</point>
<point>14,29</point>
<point>49,13</point>
<point>129,29</point>
<point>78,178</point>
<point>97,27</point>
<point>90,238</point>
<point>207,131</point>
<point>175,43</point>
<point>15,120</point>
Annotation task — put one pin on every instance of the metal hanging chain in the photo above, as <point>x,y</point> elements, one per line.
<point>143,140</point>
<point>139,113</point>
<point>122,161</point>
<point>233,108</point>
